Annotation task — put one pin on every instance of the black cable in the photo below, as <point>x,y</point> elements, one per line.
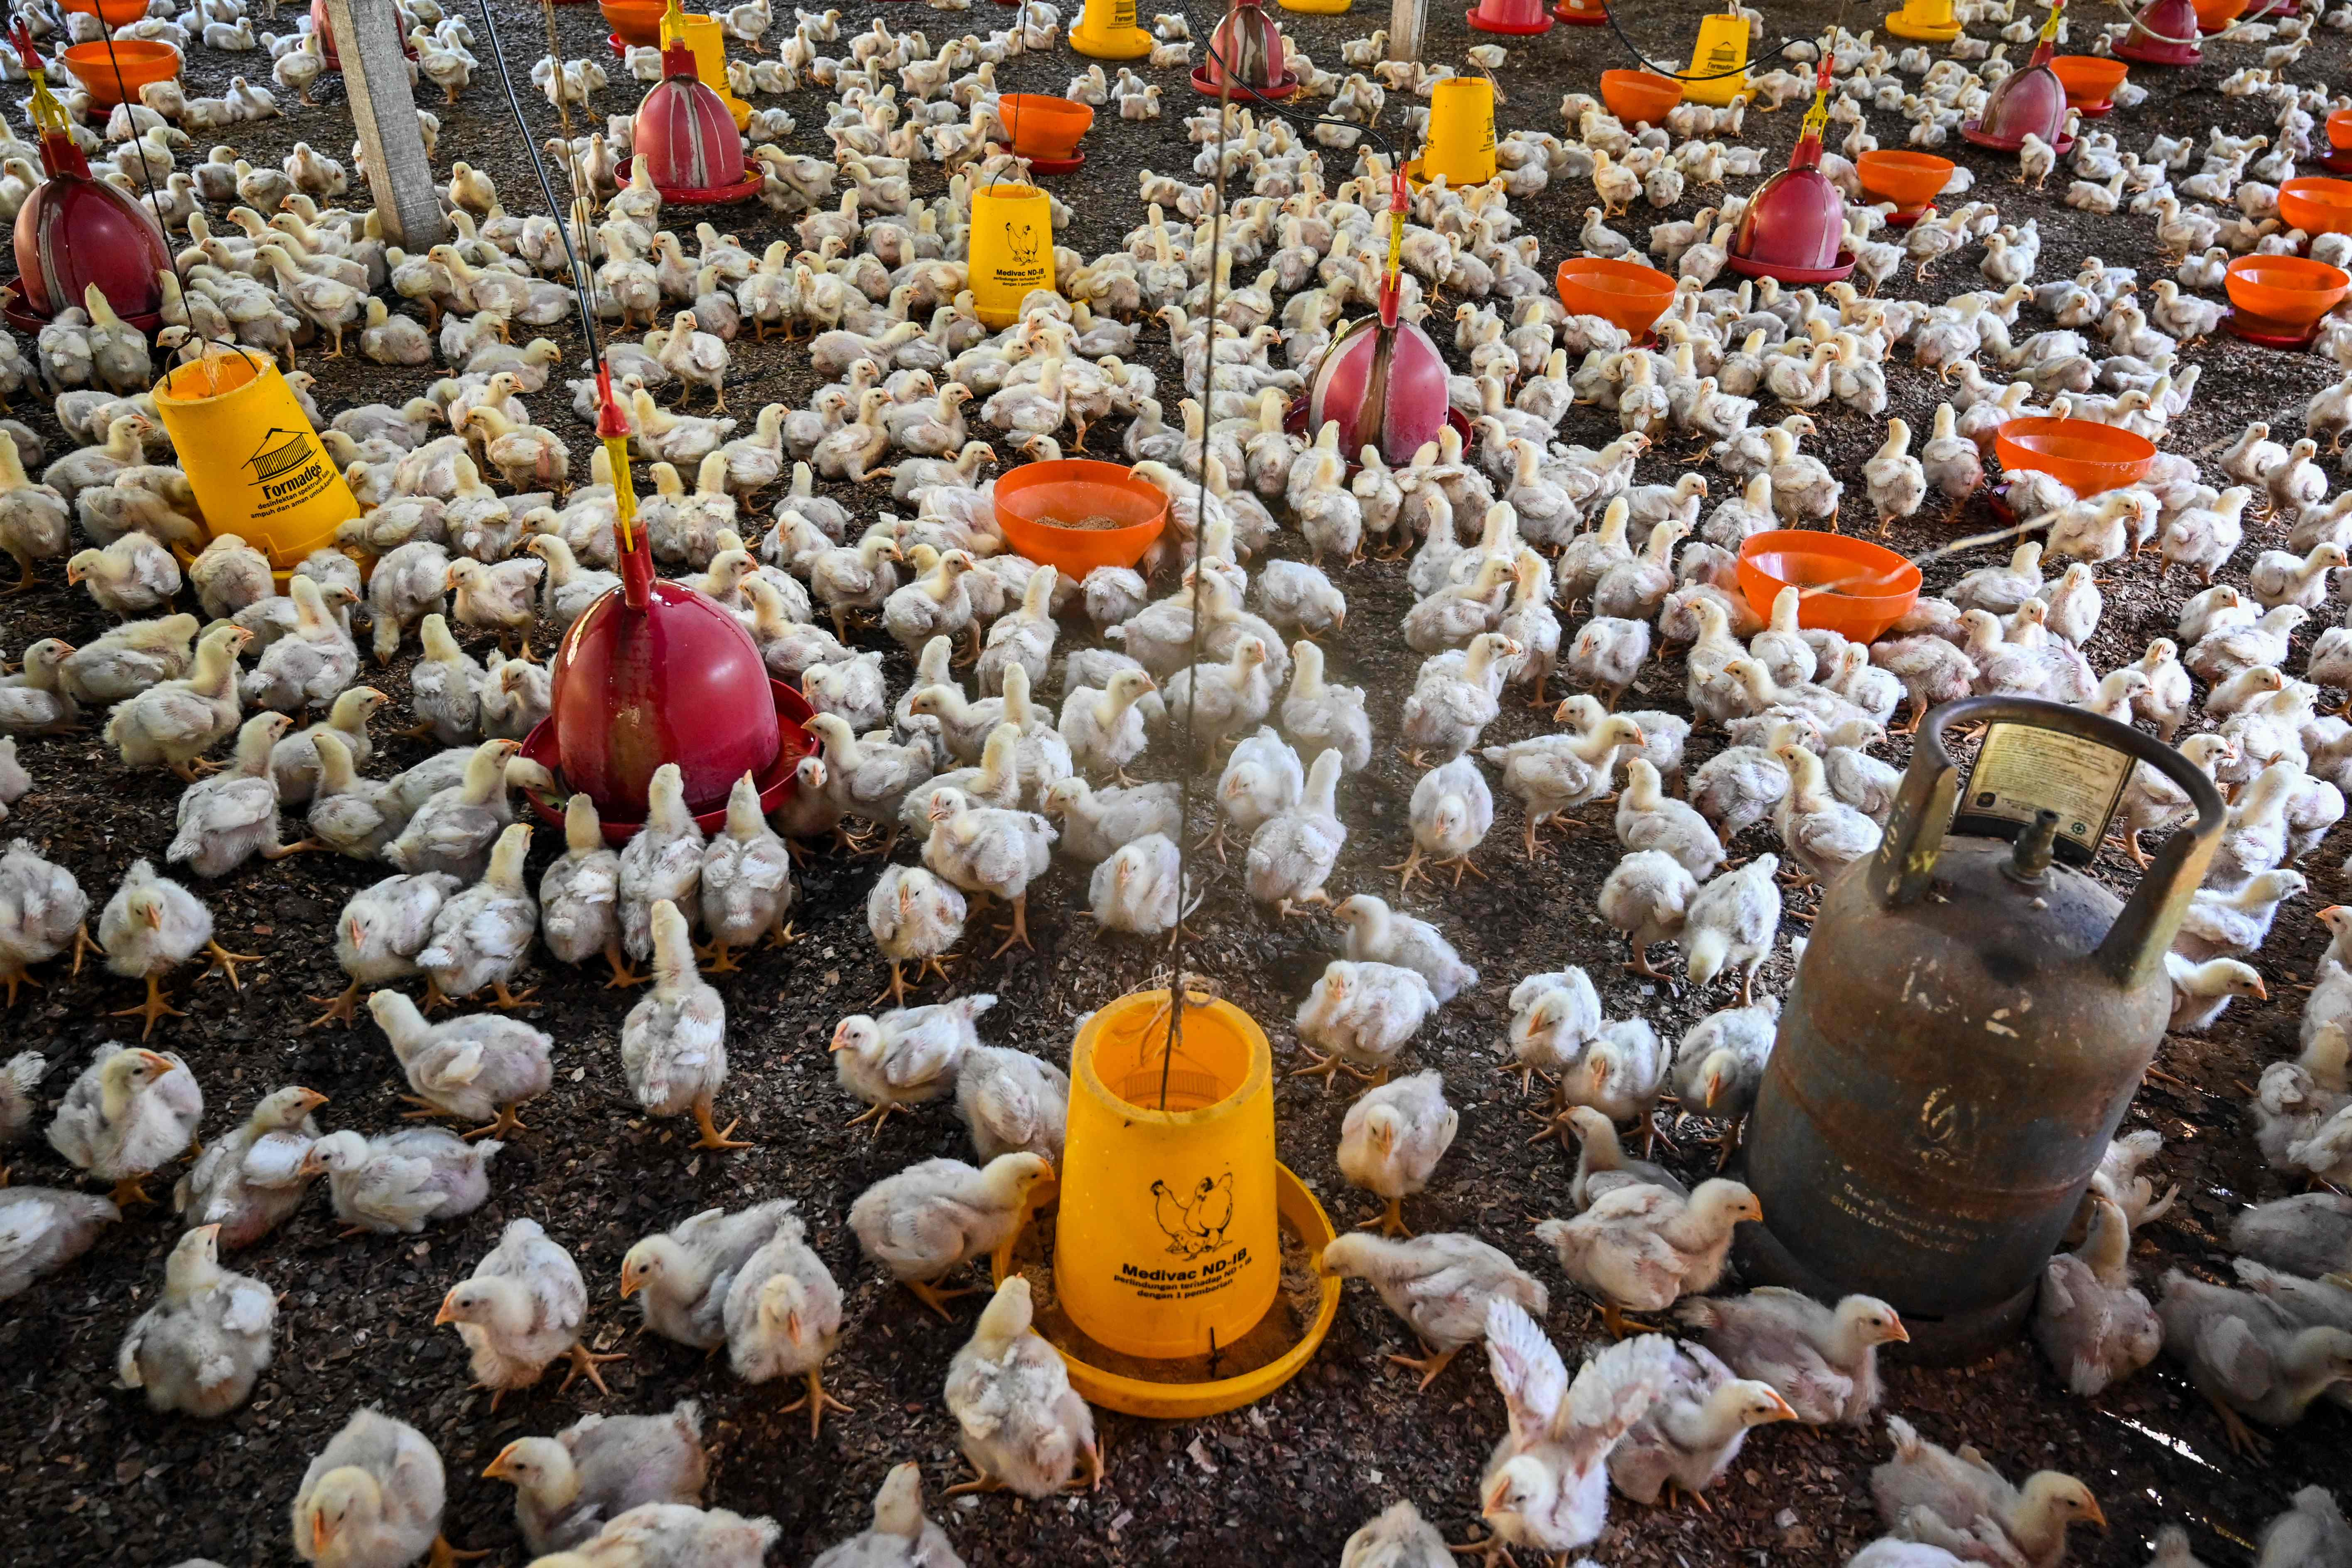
<point>581,291</point>
<point>1609,13</point>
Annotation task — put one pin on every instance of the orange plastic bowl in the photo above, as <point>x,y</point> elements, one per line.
<point>114,13</point>
<point>2212,16</point>
<point>2339,129</point>
<point>2084,454</point>
<point>636,23</point>
<point>2089,81</point>
<point>1639,98</point>
<point>1043,126</point>
<point>1036,500</point>
<point>2317,205</point>
<point>2292,292</point>
<point>1909,180</point>
<point>1859,589</point>
<point>115,79</point>
<point>1626,294</point>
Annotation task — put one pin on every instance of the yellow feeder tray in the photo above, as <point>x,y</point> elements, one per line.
<point>1929,21</point>
<point>257,468</point>
<point>1301,1215</point>
<point>1461,141</point>
<point>1107,30</point>
<point>1316,7</point>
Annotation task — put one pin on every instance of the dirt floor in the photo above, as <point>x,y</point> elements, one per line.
<point>95,1478</point>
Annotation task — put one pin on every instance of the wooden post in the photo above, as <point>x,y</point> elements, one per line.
<point>392,144</point>
<point>1405,18</point>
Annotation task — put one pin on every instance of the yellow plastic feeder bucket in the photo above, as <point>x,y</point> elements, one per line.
<point>1929,20</point>
<point>1167,1244</point>
<point>1012,250</point>
<point>708,42</point>
<point>1721,54</point>
<point>251,456</point>
<point>1107,30</point>
<point>1461,144</point>
<point>1316,7</point>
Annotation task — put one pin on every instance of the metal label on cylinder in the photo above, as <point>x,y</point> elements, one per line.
<point>2022,770</point>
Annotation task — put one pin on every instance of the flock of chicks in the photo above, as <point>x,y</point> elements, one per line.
<point>1507,530</point>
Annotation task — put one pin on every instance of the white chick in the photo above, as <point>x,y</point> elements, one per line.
<point>1647,896</point>
<point>1642,1247</point>
<point>521,1308</point>
<point>1292,853</point>
<point>45,1228</point>
<point>989,850</point>
<point>398,1181</point>
<point>1690,1436</point>
<point>1398,1538</point>
<point>682,1275</point>
<point>1020,1425</point>
<point>1449,814</point>
<point>1439,1284</point>
<point>1732,923</point>
<point>482,935</point>
<point>783,1319</point>
<point>1357,1018</point>
<point>372,1498</point>
<point>905,1058</point>
<point>662,862</point>
<point>1553,1018</point>
<point>1138,889</point>
<point>569,1486</point>
<point>1392,1140</point>
<point>747,880</point>
<point>580,895</point>
<point>477,1068</point>
<point>933,1218</point>
<point>915,919</point>
<point>1822,1359</point>
<point>200,1348</point>
<point>1263,778</point>
<point>2094,1326</point>
<point>381,931</point>
<point>674,1043</point>
<point>902,1534</point>
<point>1011,1100</point>
<point>150,927</point>
<point>1383,935</point>
<point>129,1111</point>
<point>1546,1486</point>
<point>248,1182</point>
<point>43,908</point>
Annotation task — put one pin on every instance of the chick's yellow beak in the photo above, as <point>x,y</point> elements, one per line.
<point>322,1534</point>
<point>447,1312</point>
<point>497,1469</point>
<point>632,1279</point>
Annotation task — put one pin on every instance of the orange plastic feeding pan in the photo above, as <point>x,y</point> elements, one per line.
<point>1854,588</point>
<point>2212,16</point>
<point>1074,514</point>
<point>113,13</point>
<point>2090,81</point>
<point>116,78</point>
<point>1626,294</point>
<point>1909,180</point>
<point>1044,129</point>
<point>2338,156</point>
<point>636,24</point>
<point>2280,299</point>
<point>2084,454</point>
<point>2317,205</point>
<point>1639,98</point>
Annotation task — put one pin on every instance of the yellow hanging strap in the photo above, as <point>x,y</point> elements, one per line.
<point>613,430</point>
<point>1817,118</point>
<point>2050,28</point>
<point>49,116</point>
<point>673,24</point>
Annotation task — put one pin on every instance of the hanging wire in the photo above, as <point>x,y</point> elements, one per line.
<point>1178,990</point>
<point>1609,13</point>
<point>583,292</point>
<point>155,202</point>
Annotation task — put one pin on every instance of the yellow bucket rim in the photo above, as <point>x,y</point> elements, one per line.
<point>1261,1066</point>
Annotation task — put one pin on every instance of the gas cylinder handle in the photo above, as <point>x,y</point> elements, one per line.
<point>2136,944</point>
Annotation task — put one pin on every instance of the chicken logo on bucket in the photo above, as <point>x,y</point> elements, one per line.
<point>1195,1223</point>
<point>288,470</point>
<point>1020,243</point>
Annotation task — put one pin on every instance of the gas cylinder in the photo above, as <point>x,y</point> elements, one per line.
<point>1972,1017</point>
